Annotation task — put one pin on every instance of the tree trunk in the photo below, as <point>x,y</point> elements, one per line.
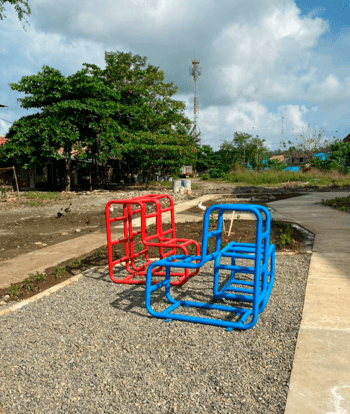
<point>68,171</point>
<point>149,168</point>
<point>90,180</point>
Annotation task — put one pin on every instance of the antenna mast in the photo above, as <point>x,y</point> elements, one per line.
<point>195,73</point>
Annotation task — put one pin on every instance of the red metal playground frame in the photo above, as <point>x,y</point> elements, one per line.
<point>161,239</point>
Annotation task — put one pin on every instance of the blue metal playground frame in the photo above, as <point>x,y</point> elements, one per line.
<point>255,292</point>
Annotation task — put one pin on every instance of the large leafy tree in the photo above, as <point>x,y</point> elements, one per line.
<point>206,158</point>
<point>243,149</point>
<point>21,6</point>
<point>338,159</point>
<point>79,115</point>
<point>123,110</point>
<point>160,138</point>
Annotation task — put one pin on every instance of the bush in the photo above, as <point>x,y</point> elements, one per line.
<point>216,173</point>
<point>205,177</point>
<point>276,165</point>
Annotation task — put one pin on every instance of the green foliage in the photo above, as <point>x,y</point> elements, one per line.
<point>271,177</point>
<point>13,290</point>
<point>339,159</point>
<point>216,173</point>
<point>206,158</point>
<point>76,263</point>
<point>43,196</point>
<point>276,165</point>
<point>32,204</point>
<point>37,277</point>
<point>123,112</point>
<point>59,271</point>
<point>21,6</point>
<point>98,254</point>
<point>27,283</point>
<point>285,236</point>
<point>243,149</point>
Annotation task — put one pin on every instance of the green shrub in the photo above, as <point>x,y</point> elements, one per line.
<point>205,177</point>
<point>13,290</point>
<point>216,173</point>
<point>286,236</point>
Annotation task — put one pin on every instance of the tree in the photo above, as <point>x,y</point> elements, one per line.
<point>121,111</point>
<point>244,149</point>
<point>309,143</point>
<point>21,6</point>
<point>276,165</point>
<point>206,158</point>
<point>160,137</point>
<point>76,116</point>
<point>338,159</point>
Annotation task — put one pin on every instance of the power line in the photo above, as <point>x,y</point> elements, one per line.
<point>6,120</point>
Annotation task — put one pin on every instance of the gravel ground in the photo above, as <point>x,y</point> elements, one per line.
<point>93,348</point>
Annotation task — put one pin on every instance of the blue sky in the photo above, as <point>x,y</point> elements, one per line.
<point>261,60</point>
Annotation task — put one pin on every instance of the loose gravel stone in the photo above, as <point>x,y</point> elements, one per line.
<point>93,348</point>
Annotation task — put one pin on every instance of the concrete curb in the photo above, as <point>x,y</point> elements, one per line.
<point>40,295</point>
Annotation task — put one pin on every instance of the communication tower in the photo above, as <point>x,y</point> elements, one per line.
<point>195,73</point>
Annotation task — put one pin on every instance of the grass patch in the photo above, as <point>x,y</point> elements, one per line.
<point>43,196</point>
<point>32,204</point>
<point>275,178</point>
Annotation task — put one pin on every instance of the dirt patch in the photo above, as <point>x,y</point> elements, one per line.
<point>242,230</point>
<point>33,233</point>
<point>26,230</point>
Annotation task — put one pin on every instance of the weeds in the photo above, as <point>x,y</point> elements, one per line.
<point>76,263</point>
<point>285,238</point>
<point>98,254</point>
<point>13,290</point>
<point>270,177</point>
<point>43,196</point>
<point>27,283</point>
<point>59,271</point>
<point>32,204</point>
<point>138,247</point>
<point>337,203</point>
<point>192,249</point>
<point>212,220</point>
<point>40,277</point>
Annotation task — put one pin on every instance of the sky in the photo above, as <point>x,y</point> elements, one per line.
<point>264,64</point>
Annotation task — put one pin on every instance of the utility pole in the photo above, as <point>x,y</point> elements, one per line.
<point>195,73</point>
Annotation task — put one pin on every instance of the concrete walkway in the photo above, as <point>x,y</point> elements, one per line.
<point>320,380</point>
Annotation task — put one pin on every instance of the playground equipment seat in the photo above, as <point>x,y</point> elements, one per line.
<point>249,293</point>
<point>137,243</point>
